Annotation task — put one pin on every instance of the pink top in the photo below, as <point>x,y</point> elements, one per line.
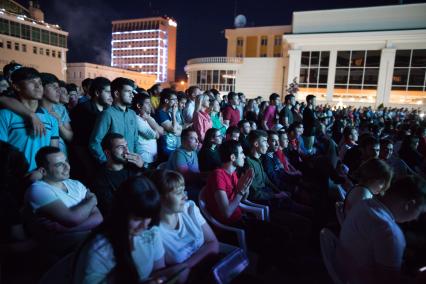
<point>201,122</point>
<point>269,116</point>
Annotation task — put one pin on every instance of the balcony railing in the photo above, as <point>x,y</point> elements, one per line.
<point>205,60</point>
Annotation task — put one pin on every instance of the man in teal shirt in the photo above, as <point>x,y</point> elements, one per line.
<point>119,118</point>
<point>29,91</point>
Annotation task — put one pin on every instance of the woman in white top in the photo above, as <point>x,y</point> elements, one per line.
<point>374,177</point>
<point>148,129</point>
<point>186,236</point>
<point>126,249</point>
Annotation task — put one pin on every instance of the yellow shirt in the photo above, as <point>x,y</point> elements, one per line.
<point>155,101</point>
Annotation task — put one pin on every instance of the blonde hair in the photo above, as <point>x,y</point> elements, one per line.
<point>166,181</point>
<point>199,101</point>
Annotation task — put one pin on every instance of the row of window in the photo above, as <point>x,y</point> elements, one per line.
<point>29,32</point>
<point>36,50</point>
<point>136,60</point>
<point>263,40</point>
<point>144,43</point>
<point>135,52</point>
<point>153,35</point>
<point>142,25</point>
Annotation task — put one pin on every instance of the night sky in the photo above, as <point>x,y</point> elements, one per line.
<point>201,24</point>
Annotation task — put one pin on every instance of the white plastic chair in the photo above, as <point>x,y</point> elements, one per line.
<point>340,214</point>
<point>235,262</point>
<point>328,249</point>
<point>341,193</point>
<point>265,209</point>
<point>60,272</point>
<point>260,213</point>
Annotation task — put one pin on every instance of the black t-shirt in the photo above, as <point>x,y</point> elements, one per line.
<point>286,112</point>
<point>309,122</point>
<point>107,183</point>
<point>83,119</point>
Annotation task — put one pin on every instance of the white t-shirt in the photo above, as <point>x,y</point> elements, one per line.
<point>147,140</point>
<point>41,193</point>
<point>369,236</point>
<point>96,259</point>
<point>179,244</point>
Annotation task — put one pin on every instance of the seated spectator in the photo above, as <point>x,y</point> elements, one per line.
<point>277,172</point>
<point>223,193</point>
<point>350,139</point>
<point>127,248</point>
<point>216,116</point>
<point>244,126</point>
<point>296,148</point>
<point>64,210</point>
<point>51,103</point>
<point>398,166</point>
<point>181,101</point>
<point>186,236</point>
<point>208,157</point>
<point>264,191</point>
<point>166,117</point>
<point>148,129</point>
<point>185,161</point>
<point>371,244</point>
<point>29,91</point>
<point>369,147</point>
<point>409,154</point>
<point>374,177</point>
<point>120,165</point>
<point>232,133</point>
<point>231,113</point>
<point>201,120</point>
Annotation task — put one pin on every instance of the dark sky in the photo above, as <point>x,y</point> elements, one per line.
<point>201,23</point>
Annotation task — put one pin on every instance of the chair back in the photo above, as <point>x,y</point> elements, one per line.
<point>60,272</point>
<point>341,193</point>
<point>162,166</point>
<point>230,266</point>
<point>328,249</point>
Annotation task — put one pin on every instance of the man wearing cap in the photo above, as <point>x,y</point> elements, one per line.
<point>119,118</point>
<point>28,88</point>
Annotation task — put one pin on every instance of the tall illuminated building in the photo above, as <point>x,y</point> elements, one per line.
<point>145,45</point>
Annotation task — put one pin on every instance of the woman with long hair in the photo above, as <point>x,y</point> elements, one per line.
<point>201,120</point>
<point>208,157</point>
<point>216,116</point>
<point>187,238</point>
<point>126,248</point>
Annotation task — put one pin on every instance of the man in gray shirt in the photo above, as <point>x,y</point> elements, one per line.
<point>119,118</point>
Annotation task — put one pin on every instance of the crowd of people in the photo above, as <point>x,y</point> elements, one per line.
<point>113,173</point>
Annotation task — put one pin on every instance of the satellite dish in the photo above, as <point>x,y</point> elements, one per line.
<point>240,21</point>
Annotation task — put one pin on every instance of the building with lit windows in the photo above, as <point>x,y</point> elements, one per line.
<point>360,56</point>
<point>145,45</point>
<point>28,40</point>
<point>77,72</point>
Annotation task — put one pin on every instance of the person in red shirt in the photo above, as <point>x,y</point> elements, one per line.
<point>231,114</point>
<point>223,193</point>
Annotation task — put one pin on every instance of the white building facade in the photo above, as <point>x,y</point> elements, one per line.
<point>361,56</point>
<point>77,72</point>
<point>30,41</point>
<point>367,56</point>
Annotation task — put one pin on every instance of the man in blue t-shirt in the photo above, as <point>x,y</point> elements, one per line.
<point>166,117</point>
<point>29,91</point>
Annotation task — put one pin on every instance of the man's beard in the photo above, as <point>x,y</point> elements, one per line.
<point>118,159</point>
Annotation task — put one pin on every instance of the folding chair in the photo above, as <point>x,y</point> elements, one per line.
<point>328,243</point>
